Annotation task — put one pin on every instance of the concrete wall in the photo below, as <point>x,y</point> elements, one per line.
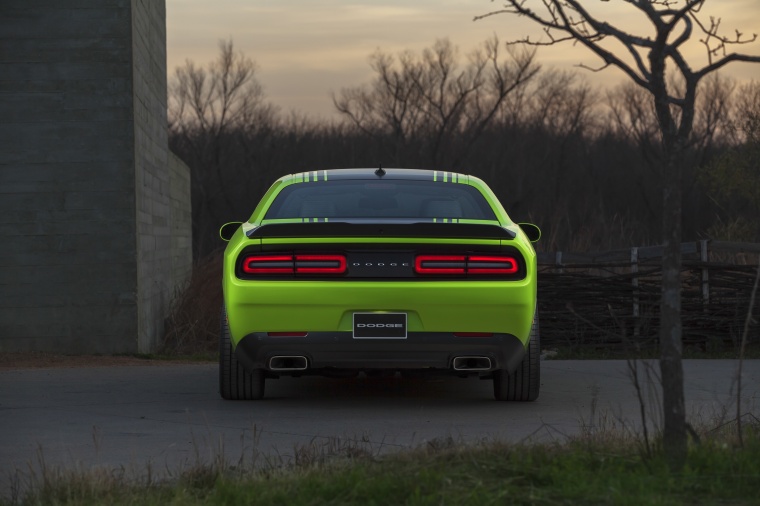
<point>151,169</point>
<point>180,219</point>
<point>86,260</point>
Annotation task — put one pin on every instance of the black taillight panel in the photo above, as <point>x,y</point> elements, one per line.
<point>423,263</point>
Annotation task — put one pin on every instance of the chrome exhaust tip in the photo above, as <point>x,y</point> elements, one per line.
<point>288,363</point>
<point>472,364</point>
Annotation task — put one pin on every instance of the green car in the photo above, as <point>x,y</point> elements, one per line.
<point>339,272</point>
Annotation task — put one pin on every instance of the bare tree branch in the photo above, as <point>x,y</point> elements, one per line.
<point>431,102</point>
<point>673,28</point>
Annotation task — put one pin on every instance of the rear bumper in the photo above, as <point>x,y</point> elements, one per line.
<point>442,307</point>
<point>420,350</point>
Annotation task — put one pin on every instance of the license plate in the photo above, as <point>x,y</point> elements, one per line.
<point>379,325</point>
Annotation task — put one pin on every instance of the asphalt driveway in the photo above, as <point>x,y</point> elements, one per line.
<point>170,416</point>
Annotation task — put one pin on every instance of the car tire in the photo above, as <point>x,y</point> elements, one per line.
<point>525,382</point>
<point>235,381</point>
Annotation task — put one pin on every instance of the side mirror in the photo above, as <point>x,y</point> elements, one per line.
<point>228,230</point>
<point>531,230</point>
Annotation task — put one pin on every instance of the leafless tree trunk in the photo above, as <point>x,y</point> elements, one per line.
<point>644,59</point>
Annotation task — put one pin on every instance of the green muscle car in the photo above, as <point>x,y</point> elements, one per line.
<point>342,271</point>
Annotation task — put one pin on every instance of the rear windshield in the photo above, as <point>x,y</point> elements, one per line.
<point>380,199</point>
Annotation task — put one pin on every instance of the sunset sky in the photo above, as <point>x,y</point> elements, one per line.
<point>307,48</point>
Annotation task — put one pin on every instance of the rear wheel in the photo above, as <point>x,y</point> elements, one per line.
<point>524,383</point>
<point>235,381</point>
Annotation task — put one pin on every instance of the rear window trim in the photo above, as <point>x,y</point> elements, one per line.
<point>469,195</point>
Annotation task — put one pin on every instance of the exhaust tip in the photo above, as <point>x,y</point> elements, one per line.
<point>288,363</point>
<point>472,364</point>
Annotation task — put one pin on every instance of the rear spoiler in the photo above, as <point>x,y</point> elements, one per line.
<point>414,229</point>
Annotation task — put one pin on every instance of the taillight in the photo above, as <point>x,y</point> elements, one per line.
<point>492,265</point>
<point>320,264</point>
<point>294,264</point>
<point>475,265</point>
<point>440,264</point>
<point>272,264</point>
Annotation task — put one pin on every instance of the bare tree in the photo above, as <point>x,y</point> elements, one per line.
<point>644,60</point>
<point>428,98</point>
<point>732,178</point>
<point>214,112</point>
<point>631,114</point>
<point>746,114</point>
<point>563,107</point>
<point>225,95</point>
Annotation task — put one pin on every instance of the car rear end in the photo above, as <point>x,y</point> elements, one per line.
<point>359,271</point>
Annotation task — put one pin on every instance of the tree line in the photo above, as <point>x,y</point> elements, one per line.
<point>579,161</point>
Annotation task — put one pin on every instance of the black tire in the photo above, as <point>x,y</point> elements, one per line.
<point>235,381</point>
<point>525,383</point>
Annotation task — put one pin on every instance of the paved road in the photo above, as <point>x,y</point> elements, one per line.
<point>171,416</point>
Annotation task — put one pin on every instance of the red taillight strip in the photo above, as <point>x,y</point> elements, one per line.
<point>492,265</point>
<point>439,264</point>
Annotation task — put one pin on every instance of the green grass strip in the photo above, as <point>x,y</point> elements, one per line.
<point>579,472</point>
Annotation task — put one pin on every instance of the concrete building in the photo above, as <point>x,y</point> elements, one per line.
<point>94,208</point>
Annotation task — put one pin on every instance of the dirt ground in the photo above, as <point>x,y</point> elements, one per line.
<point>34,360</point>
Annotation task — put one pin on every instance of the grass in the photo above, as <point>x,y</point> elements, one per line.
<point>585,470</point>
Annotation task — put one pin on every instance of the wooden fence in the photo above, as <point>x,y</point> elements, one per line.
<point>611,299</point>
